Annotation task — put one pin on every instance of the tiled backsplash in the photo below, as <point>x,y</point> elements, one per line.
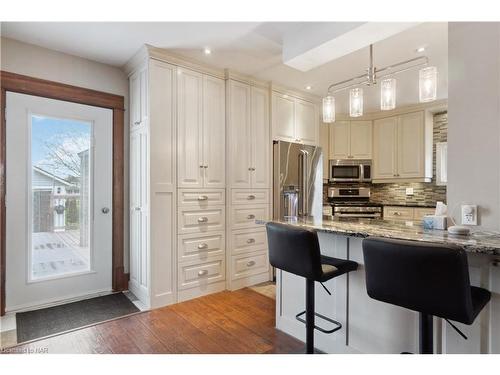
<point>426,194</point>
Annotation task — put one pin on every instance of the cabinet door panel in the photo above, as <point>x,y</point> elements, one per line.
<point>339,140</point>
<point>384,148</point>
<point>144,96</point>
<point>214,132</point>
<point>135,99</point>
<point>411,145</point>
<point>260,139</point>
<point>360,139</point>
<point>283,117</point>
<point>324,144</point>
<point>239,131</point>
<point>306,122</point>
<point>189,129</point>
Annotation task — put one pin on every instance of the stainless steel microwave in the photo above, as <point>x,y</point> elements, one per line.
<point>350,170</point>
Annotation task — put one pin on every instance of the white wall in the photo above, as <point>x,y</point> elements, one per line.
<point>34,61</point>
<point>474,120</point>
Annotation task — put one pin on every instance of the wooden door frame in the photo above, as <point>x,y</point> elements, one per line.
<point>54,90</point>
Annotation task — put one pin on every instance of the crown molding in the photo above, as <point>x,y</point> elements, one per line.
<point>243,78</point>
<point>296,93</point>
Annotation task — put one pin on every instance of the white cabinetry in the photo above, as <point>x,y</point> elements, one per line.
<point>294,119</point>
<point>351,140</point>
<point>249,144</point>
<point>152,183</point>
<point>324,144</point>
<point>402,148</point>
<point>249,177</point>
<point>200,130</point>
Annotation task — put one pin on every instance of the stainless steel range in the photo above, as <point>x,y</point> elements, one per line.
<point>353,202</point>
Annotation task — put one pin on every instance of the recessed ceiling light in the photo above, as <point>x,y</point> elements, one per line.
<point>309,87</point>
<point>420,49</point>
<point>207,51</point>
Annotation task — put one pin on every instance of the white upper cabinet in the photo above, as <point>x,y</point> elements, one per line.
<point>138,97</point>
<point>403,148</point>
<point>214,125</point>
<point>239,147</point>
<point>411,145</point>
<point>200,130</point>
<point>190,169</point>
<point>294,119</point>
<point>260,139</point>
<point>249,141</point>
<point>384,147</point>
<point>360,139</point>
<point>351,140</point>
<point>339,140</point>
<point>306,122</point>
<point>283,117</point>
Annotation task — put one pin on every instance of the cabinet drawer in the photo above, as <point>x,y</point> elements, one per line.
<point>192,220</point>
<point>398,213</point>
<point>247,265</point>
<point>196,274</point>
<point>420,212</point>
<point>249,196</point>
<point>244,217</point>
<point>246,241</point>
<point>201,198</point>
<point>200,247</point>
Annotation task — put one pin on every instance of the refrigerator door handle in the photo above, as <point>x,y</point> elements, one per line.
<point>304,194</point>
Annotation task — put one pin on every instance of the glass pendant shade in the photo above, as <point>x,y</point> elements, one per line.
<point>328,109</point>
<point>427,84</point>
<point>388,94</point>
<point>356,102</point>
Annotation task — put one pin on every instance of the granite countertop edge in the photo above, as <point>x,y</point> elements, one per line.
<point>479,242</point>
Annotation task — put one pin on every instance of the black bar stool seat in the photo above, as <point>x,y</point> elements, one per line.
<point>431,279</point>
<point>296,250</point>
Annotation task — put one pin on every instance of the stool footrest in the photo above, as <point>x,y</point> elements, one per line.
<point>327,331</point>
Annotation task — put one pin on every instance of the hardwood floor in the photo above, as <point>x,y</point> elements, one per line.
<point>228,322</point>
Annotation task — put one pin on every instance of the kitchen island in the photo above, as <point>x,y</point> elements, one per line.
<point>370,326</point>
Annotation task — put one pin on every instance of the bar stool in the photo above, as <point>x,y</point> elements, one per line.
<point>296,250</point>
<point>431,279</point>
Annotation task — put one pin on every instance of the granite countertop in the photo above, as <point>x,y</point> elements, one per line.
<point>476,242</point>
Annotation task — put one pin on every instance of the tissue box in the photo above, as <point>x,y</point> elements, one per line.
<point>435,222</point>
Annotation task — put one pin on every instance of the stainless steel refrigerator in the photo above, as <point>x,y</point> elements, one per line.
<point>297,180</point>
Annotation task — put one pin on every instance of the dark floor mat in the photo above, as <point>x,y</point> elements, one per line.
<point>40,323</point>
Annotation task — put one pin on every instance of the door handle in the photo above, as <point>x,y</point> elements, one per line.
<point>202,219</point>
<point>105,210</point>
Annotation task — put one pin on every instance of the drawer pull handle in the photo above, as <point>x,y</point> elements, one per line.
<point>251,216</point>
<point>202,198</point>
<point>202,273</point>
<point>202,219</point>
<point>396,213</point>
<point>251,240</point>
<point>251,263</point>
<point>251,197</point>
<point>202,246</point>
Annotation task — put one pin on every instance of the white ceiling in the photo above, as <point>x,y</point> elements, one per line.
<point>251,48</point>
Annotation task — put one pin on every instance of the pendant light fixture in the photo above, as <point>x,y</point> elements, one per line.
<point>388,94</point>
<point>328,109</point>
<point>427,84</point>
<point>356,102</point>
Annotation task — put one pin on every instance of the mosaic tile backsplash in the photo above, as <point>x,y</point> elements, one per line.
<point>424,194</point>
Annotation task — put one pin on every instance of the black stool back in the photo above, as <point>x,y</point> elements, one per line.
<point>429,278</point>
<point>295,250</point>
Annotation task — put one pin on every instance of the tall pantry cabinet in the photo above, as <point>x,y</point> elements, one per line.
<point>200,175</point>
<point>249,180</point>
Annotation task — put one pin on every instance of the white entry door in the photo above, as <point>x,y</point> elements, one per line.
<point>59,195</point>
